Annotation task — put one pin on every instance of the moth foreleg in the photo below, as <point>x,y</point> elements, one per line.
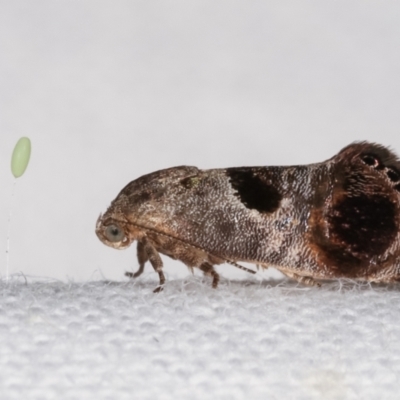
<point>142,259</point>
<point>208,269</point>
<point>155,260</point>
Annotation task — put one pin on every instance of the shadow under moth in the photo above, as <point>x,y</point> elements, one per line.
<point>334,219</point>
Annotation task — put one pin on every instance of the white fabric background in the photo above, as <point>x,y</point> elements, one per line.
<point>110,90</point>
<point>246,340</point>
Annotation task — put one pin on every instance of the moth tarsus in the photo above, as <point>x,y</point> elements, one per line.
<point>132,275</point>
<point>158,289</point>
<point>335,219</point>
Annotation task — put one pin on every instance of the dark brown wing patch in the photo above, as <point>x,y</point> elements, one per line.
<point>365,225</point>
<point>361,220</point>
<point>254,192</point>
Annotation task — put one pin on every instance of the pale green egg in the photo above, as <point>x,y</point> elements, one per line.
<point>20,156</point>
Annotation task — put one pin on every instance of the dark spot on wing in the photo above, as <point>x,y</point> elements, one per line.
<point>372,160</point>
<point>254,192</point>
<point>365,225</point>
<point>393,175</point>
<point>375,162</point>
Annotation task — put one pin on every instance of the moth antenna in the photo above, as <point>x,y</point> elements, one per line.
<point>240,266</point>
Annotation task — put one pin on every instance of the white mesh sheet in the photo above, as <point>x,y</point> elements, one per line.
<point>269,340</point>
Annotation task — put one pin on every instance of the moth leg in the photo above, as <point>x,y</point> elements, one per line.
<point>208,269</point>
<point>155,261</point>
<point>305,280</point>
<point>142,258</point>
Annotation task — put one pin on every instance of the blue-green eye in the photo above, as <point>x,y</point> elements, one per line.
<point>114,233</point>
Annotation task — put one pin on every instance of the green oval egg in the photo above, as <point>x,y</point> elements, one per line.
<point>20,156</point>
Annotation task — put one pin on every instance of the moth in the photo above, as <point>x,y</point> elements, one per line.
<point>334,219</point>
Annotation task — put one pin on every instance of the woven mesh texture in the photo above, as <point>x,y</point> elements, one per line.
<point>247,339</point>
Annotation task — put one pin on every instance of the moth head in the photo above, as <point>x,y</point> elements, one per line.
<point>113,232</point>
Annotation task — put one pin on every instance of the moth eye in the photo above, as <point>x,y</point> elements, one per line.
<point>114,233</point>
<point>393,175</point>
<point>371,160</point>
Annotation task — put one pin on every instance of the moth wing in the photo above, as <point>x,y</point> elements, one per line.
<point>360,224</point>
<point>153,186</point>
